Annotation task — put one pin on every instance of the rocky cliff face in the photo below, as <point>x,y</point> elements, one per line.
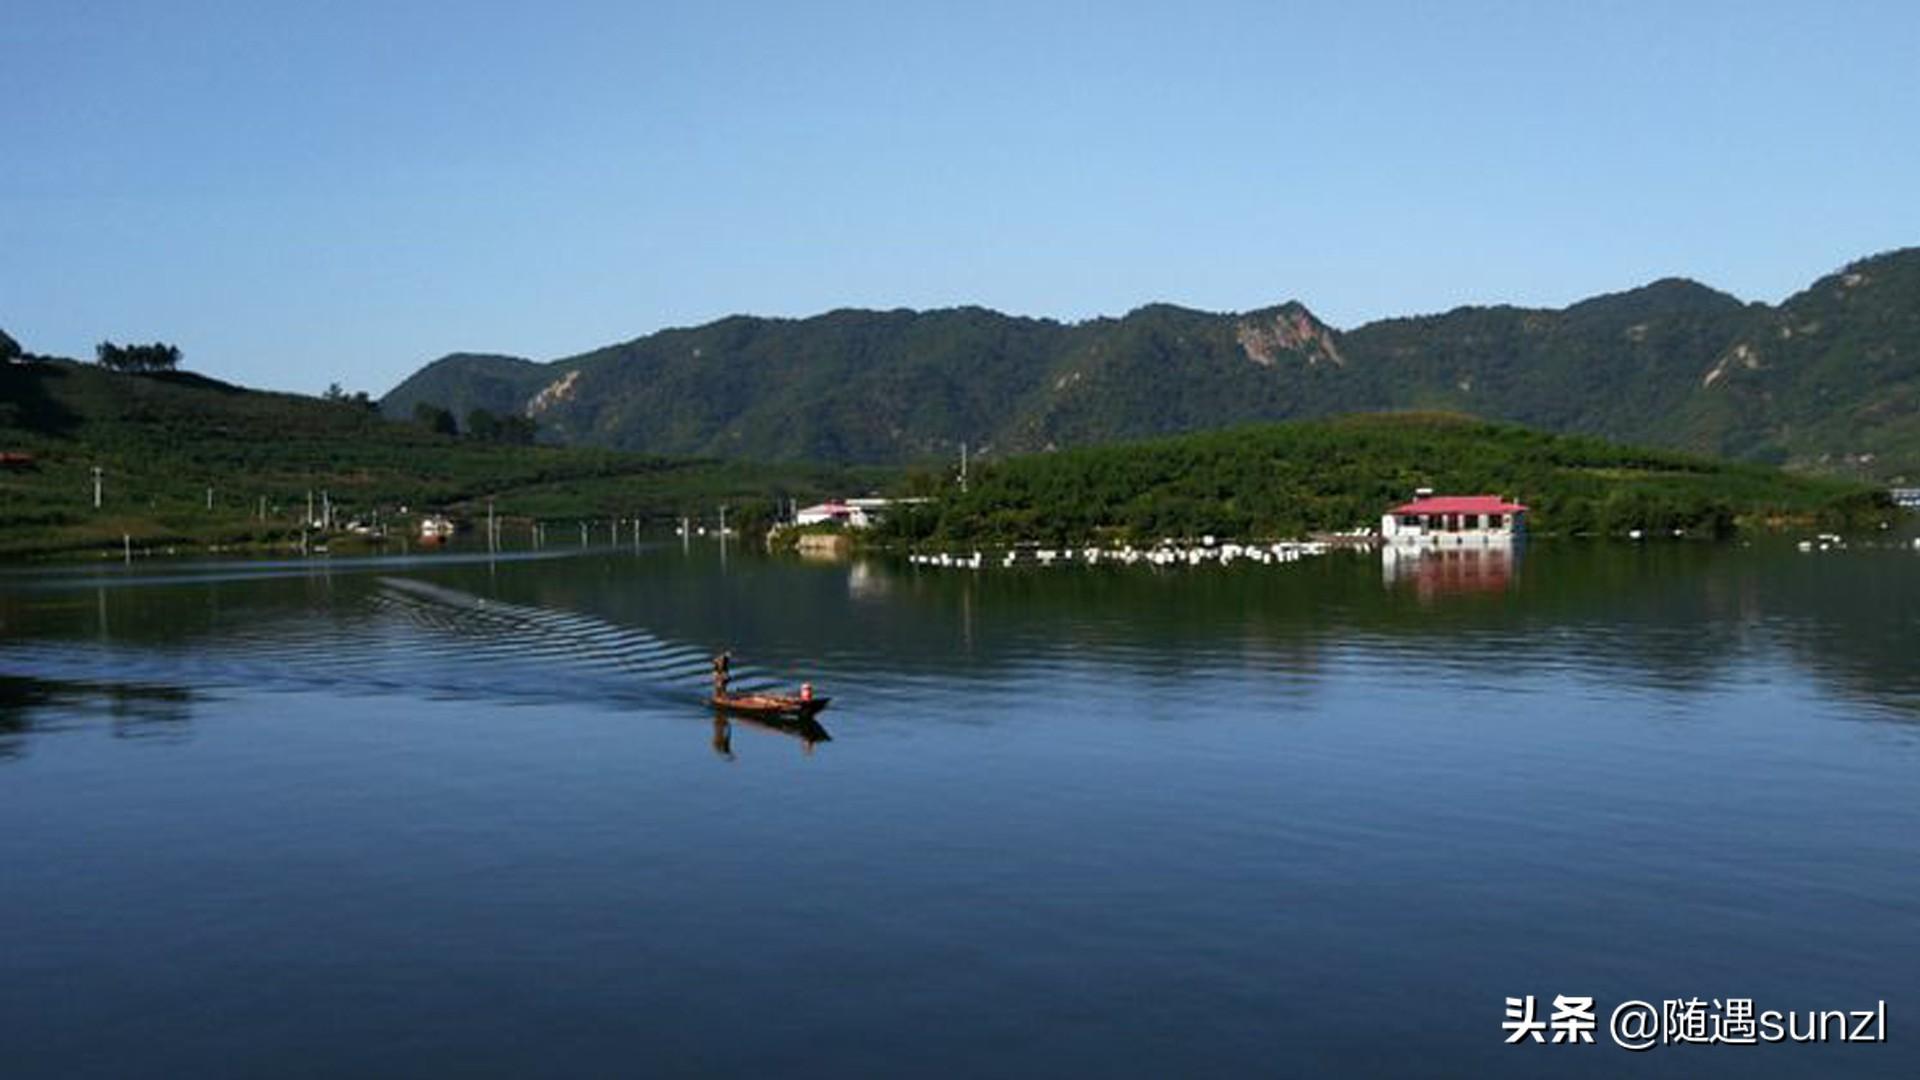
<point>1289,332</point>
<point>556,393</point>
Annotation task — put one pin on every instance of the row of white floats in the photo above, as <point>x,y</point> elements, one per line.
<point>1833,542</point>
<point>1163,555</point>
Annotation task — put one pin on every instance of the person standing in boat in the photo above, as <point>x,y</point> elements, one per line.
<point>722,673</point>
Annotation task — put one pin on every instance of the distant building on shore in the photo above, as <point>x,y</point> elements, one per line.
<point>1454,520</point>
<point>832,512</point>
<point>851,513</point>
<point>1906,498</point>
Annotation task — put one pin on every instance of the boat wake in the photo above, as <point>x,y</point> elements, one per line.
<point>556,644</point>
<point>402,636</point>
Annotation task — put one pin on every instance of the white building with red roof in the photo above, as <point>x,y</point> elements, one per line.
<point>1454,519</point>
<point>833,512</point>
<point>851,513</point>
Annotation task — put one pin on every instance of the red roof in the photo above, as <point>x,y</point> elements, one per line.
<point>1459,504</point>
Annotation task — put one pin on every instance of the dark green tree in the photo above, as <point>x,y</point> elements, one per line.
<point>517,430</point>
<point>138,359</point>
<point>9,348</point>
<point>483,425</point>
<point>509,430</point>
<point>435,419</point>
<point>339,395</point>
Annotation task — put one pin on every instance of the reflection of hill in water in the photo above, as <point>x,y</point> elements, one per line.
<point>1673,617</point>
<point>29,706</point>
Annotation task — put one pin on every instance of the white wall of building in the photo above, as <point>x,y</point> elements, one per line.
<point>1473,529</point>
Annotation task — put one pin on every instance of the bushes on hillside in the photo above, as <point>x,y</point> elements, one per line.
<point>507,430</point>
<point>138,359</point>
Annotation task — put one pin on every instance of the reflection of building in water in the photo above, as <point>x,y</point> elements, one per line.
<point>867,582</point>
<point>1440,571</point>
<point>1454,520</point>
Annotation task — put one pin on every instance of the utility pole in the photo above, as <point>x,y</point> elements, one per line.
<point>326,511</point>
<point>209,496</point>
<point>583,534</point>
<point>309,520</point>
<point>963,468</point>
<point>723,523</point>
<point>263,508</point>
<point>493,534</point>
<point>96,486</point>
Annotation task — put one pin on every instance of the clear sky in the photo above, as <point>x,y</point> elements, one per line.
<point>304,193</point>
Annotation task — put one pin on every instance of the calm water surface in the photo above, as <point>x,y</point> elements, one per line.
<point>448,815</point>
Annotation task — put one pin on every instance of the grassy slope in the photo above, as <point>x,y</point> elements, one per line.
<point>1287,479</point>
<point>163,439</point>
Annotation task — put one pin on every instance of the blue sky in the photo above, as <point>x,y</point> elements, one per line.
<point>300,194</point>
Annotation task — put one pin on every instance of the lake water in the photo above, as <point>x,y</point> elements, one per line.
<point>451,815</point>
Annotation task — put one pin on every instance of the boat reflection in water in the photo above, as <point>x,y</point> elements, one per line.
<point>1435,572</point>
<point>804,728</point>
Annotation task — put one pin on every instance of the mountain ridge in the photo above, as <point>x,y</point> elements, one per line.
<point>1827,380</point>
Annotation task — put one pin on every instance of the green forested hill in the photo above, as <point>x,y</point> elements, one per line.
<point>463,382</point>
<point>164,439</point>
<point>1829,380</point>
<point>1288,479</point>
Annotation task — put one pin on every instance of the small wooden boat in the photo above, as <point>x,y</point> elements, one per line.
<point>768,704</point>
